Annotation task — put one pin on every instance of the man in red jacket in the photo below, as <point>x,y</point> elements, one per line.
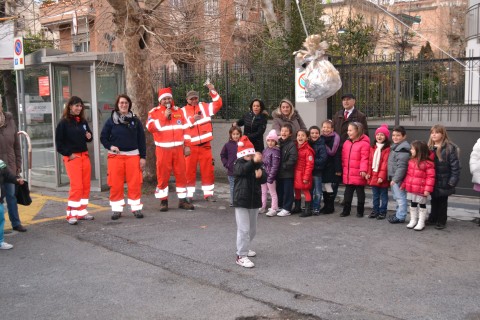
<point>199,134</point>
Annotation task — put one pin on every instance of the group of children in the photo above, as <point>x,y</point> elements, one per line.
<point>316,160</point>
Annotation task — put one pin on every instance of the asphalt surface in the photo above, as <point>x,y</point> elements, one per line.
<point>181,265</point>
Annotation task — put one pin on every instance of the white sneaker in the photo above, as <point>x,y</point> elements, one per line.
<point>245,262</point>
<point>262,210</point>
<point>5,246</point>
<point>283,213</point>
<point>271,213</point>
<point>72,221</point>
<point>251,253</point>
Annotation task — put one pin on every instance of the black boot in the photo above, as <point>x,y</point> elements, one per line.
<point>360,209</point>
<point>297,208</point>
<point>346,210</point>
<point>324,209</point>
<point>308,210</point>
<point>330,202</point>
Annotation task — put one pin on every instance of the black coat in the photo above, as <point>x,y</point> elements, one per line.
<point>447,171</point>
<point>247,190</point>
<point>333,164</point>
<point>320,156</point>
<point>254,128</point>
<point>288,158</point>
<point>340,125</point>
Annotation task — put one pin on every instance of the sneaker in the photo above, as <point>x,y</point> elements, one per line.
<point>138,214</point>
<point>373,215</point>
<point>251,253</point>
<point>316,212</point>
<point>394,219</point>
<point>183,204</point>
<point>72,221</point>
<point>164,205</point>
<point>245,262</point>
<point>271,213</point>
<point>5,246</point>
<point>381,216</point>
<point>262,210</point>
<point>283,213</point>
<point>20,228</point>
<point>116,215</point>
<point>86,217</point>
<point>210,199</point>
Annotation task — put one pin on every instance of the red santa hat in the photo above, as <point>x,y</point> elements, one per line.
<point>164,93</point>
<point>245,147</point>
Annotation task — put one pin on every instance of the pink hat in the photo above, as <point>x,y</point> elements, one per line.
<point>164,93</point>
<point>245,147</point>
<point>272,135</point>
<point>383,129</point>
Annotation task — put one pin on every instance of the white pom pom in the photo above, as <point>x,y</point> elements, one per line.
<point>240,144</point>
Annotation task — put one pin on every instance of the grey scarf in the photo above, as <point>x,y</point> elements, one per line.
<point>122,119</point>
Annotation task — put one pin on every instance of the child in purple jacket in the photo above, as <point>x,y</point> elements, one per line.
<point>271,162</point>
<point>229,155</point>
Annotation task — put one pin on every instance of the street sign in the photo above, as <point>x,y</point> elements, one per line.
<point>301,95</point>
<point>18,54</point>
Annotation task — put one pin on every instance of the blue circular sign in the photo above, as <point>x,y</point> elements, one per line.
<point>18,47</point>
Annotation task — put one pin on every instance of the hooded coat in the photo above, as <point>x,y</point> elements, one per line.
<point>304,167</point>
<point>420,177</point>
<point>293,119</point>
<point>447,171</point>
<point>355,160</point>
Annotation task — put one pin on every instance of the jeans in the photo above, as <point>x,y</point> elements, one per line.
<point>2,221</point>
<point>285,193</point>
<point>380,199</point>
<point>316,192</point>
<point>231,181</point>
<point>12,206</point>
<point>401,197</point>
<point>246,229</point>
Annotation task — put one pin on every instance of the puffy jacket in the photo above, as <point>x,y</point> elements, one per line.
<point>320,152</point>
<point>333,164</point>
<point>228,155</point>
<point>294,120</point>
<point>382,172</point>
<point>271,163</point>
<point>475,163</point>
<point>254,128</point>
<point>420,177</point>
<point>340,125</point>
<point>289,156</point>
<point>355,160</point>
<point>247,190</point>
<point>10,144</point>
<point>398,161</point>
<point>447,171</point>
<point>304,166</point>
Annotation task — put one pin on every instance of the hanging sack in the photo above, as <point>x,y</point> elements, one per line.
<point>23,194</point>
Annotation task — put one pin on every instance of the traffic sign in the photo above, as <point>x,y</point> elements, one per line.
<point>18,54</point>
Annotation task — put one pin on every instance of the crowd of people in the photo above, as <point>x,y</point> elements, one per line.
<point>291,161</point>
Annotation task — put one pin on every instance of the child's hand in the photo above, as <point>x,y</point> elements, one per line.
<point>392,183</point>
<point>305,181</point>
<point>258,173</point>
<point>20,181</point>
<point>380,180</point>
<point>338,174</point>
<point>367,176</point>
<point>426,193</point>
<point>257,157</point>
<point>363,174</point>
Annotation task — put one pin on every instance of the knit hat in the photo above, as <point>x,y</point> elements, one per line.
<point>383,129</point>
<point>164,93</point>
<point>272,135</point>
<point>192,94</point>
<point>245,147</point>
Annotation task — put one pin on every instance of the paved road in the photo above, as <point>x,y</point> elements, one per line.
<point>180,265</point>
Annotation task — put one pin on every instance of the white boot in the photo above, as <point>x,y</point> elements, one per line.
<point>421,219</point>
<point>413,217</point>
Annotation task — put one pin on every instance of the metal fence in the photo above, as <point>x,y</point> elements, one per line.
<point>424,90</point>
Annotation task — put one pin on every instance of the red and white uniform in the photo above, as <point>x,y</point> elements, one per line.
<point>198,137</point>
<point>169,136</point>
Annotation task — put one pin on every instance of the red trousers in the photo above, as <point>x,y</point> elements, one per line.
<point>306,193</point>
<point>201,154</point>
<point>123,168</point>
<point>79,172</point>
<point>169,159</point>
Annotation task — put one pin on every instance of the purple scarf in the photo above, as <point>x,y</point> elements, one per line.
<point>336,143</point>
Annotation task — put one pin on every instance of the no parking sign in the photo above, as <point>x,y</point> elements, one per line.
<point>18,54</point>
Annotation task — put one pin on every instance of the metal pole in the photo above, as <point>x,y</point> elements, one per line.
<point>22,118</point>
<point>301,17</point>
<point>397,88</point>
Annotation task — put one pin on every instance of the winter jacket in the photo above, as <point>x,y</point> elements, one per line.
<point>70,136</point>
<point>280,119</point>
<point>398,161</point>
<point>340,125</point>
<point>289,156</point>
<point>475,163</point>
<point>320,152</point>
<point>247,190</point>
<point>168,131</point>
<point>304,167</point>
<point>6,176</point>
<point>447,171</point>
<point>382,172</point>
<point>355,160</point>
<point>333,163</point>
<point>127,137</point>
<point>271,163</point>
<point>420,177</point>
<point>228,155</point>
<point>254,128</point>
<point>10,145</point>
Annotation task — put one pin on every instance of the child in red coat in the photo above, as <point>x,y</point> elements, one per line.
<point>378,172</point>
<point>419,183</point>
<point>355,154</point>
<point>303,173</point>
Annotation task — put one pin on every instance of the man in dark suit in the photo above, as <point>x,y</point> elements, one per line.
<point>348,114</point>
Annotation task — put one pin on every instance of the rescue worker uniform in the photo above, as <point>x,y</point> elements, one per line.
<point>199,134</point>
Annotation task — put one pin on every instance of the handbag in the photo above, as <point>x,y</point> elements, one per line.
<point>23,194</point>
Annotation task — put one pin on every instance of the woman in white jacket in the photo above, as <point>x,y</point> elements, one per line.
<point>475,167</point>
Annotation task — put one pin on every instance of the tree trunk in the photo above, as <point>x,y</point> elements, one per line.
<point>271,18</point>
<point>287,15</point>
<point>10,93</point>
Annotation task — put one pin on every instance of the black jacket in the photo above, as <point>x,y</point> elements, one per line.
<point>70,136</point>
<point>126,137</point>
<point>288,158</point>
<point>447,171</point>
<point>333,164</point>
<point>254,128</point>
<point>247,190</point>
<point>320,156</point>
